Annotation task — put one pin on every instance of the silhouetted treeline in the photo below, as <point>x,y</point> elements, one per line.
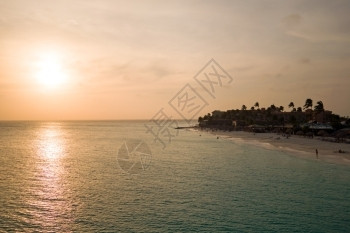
<point>265,119</point>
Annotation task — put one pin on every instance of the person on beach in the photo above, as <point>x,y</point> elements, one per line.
<point>316,153</point>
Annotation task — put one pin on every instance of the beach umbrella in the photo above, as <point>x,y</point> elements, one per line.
<point>299,132</point>
<point>322,133</point>
<point>342,133</point>
<point>310,134</point>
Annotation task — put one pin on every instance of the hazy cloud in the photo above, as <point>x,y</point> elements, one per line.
<point>123,49</point>
<point>321,22</point>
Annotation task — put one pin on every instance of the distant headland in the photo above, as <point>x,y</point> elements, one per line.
<point>309,120</point>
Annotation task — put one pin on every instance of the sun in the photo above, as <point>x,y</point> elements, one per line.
<point>50,70</point>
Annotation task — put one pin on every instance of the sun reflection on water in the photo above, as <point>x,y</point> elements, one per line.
<point>51,144</point>
<point>49,200</point>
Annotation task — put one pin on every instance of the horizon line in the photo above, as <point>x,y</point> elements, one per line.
<point>86,120</point>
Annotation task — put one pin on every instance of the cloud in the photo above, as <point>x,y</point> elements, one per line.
<point>292,21</point>
<point>321,23</point>
<point>153,48</point>
<point>305,60</point>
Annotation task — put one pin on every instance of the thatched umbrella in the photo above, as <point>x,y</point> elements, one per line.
<point>343,133</point>
<point>322,133</point>
<point>309,134</point>
<point>299,133</point>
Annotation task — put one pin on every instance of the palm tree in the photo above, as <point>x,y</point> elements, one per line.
<point>200,119</point>
<point>256,105</point>
<point>207,117</point>
<point>319,107</point>
<point>308,104</point>
<point>244,107</point>
<point>291,105</point>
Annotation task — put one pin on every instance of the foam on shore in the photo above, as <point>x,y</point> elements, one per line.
<point>294,145</point>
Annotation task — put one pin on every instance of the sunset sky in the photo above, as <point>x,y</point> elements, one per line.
<point>71,60</point>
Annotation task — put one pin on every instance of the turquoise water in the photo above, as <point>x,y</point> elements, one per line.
<point>65,177</point>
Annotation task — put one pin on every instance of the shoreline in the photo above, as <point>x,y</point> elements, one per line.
<point>295,145</point>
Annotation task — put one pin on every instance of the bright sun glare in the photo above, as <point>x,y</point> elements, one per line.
<point>51,72</point>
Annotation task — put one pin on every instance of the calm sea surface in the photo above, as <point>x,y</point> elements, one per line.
<point>76,177</point>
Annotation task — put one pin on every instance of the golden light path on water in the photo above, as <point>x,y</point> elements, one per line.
<point>49,201</point>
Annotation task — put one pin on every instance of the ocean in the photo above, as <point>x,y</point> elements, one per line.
<point>112,176</point>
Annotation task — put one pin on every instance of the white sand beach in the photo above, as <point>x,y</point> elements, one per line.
<point>296,145</point>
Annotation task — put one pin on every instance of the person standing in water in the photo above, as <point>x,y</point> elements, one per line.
<point>316,153</point>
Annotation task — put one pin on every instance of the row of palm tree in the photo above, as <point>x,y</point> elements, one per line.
<point>308,105</point>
